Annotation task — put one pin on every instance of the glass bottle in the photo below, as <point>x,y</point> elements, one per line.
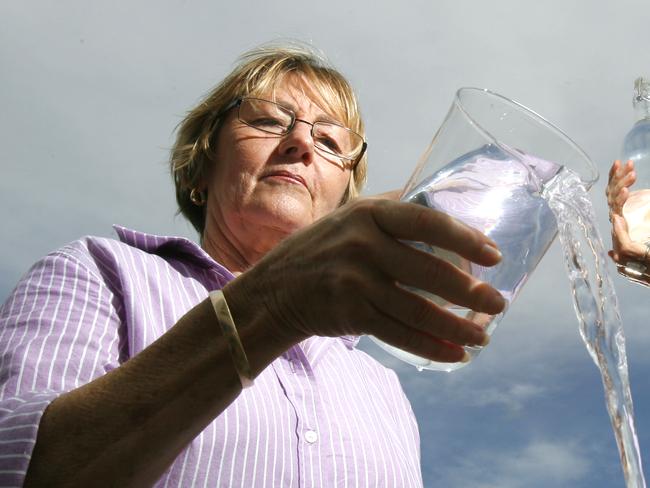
<point>636,210</point>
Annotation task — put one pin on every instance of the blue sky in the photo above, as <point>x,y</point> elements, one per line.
<point>90,94</point>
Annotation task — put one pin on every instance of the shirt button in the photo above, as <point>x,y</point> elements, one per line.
<point>311,436</point>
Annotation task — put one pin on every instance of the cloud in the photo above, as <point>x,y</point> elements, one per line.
<point>541,463</point>
<point>513,397</point>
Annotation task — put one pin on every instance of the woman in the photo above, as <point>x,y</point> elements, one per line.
<point>124,361</point>
<point>625,250</point>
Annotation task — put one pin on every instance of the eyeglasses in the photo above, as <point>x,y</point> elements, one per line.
<point>273,118</point>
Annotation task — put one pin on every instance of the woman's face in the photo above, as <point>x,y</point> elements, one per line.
<point>271,183</point>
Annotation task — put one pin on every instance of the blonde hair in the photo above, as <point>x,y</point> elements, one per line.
<point>258,72</point>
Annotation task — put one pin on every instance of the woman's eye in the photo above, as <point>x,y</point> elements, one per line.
<point>329,143</point>
<point>267,122</point>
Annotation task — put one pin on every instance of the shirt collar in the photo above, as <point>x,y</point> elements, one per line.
<point>173,246</point>
<point>166,246</point>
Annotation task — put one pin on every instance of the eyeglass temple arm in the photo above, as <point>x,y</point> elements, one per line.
<point>235,103</point>
<point>358,158</point>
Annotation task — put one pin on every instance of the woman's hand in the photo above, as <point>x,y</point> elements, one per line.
<point>621,177</point>
<point>625,249</point>
<point>340,276</point>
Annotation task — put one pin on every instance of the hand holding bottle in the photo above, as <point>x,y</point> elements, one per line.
<point>621,177</point>
<point>628,194</point>
<point>632,258</point>
<point>625,249</point>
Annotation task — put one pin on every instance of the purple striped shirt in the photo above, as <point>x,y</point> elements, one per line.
<point>323,414</point>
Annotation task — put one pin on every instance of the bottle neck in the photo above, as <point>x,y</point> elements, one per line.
<point>641,110</point>
<point>641,100</point>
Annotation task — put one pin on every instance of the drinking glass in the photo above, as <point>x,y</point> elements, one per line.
<point>487,166</point>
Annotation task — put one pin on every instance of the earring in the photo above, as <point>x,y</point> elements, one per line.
<point>197,197</point>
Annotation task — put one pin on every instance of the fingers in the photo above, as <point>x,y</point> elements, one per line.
<point>621,177</point>
<point>424,271</point>
<point>417,312</point>
<point>419,343</point>
<point>624,182</point>
<point>619,170</point>
<point>393,261</point>
<point>614,169</point>
<point>409,221</point>
<point>411,267</point>
<point>617,174</point>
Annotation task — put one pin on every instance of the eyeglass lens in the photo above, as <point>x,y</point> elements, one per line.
<point>275,119</point>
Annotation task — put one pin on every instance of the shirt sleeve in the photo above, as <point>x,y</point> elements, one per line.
<point>59,329</point>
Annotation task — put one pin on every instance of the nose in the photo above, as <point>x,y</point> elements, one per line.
<point>299,142</point>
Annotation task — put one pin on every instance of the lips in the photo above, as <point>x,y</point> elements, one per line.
<point>288,175</point>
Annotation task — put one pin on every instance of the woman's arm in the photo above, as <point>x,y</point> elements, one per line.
<point>340,276</point>
<point>126,427</point>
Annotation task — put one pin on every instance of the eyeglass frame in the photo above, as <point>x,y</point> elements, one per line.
<point>236,103</point>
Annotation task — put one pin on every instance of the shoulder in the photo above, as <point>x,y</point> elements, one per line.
<point>98,258</point>
<point>133,251</point>
<point>98,261</point>
<point>88,251</point>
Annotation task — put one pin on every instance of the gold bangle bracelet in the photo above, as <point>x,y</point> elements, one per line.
<point>229,330</point>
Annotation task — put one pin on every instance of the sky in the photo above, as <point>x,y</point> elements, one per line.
<point>90,94</point>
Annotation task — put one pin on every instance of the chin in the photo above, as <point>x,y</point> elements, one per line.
<point>288,224</point>
<point>285,217</point>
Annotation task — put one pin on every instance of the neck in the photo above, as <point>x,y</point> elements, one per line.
<point>225,253</point>
<point>237,245</point>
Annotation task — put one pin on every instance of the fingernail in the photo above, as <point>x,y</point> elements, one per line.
<point>491,252</point>
<point>465,358</point>
<point>484,338</point>
<point>495,301</point>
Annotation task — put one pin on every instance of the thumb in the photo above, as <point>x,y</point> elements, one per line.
<point>620,229</point>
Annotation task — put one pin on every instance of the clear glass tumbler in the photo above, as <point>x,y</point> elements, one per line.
<point>487,166</point>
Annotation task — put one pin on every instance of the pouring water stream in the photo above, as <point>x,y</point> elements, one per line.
<point>596,307</point>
